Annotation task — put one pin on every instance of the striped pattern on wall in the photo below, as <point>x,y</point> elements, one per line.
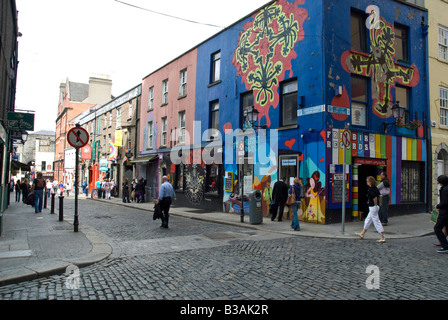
<point>393,149</point>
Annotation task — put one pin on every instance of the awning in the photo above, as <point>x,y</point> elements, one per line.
<point>16,165</point>
<point>145,159</point>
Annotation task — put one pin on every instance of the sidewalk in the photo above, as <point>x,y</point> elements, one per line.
<point>35,245</point>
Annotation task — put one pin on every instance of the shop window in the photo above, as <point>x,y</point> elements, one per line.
<point>212,178</point>
<point>412,181</point>
<point>179,177</point>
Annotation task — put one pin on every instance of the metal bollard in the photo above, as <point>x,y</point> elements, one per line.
<point>45,200</point>
<point>52,203</point>
<point>61,208</point>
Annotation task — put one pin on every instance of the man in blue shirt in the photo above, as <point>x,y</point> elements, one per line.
<point>166,196</point>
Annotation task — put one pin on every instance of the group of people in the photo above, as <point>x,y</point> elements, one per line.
<point>276,199</point>
<point>105,188</point>
<point>377,197</point>
<point>134,191</point>
<point>38,189</point>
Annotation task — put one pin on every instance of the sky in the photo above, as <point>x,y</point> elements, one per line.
<point>78,38</point>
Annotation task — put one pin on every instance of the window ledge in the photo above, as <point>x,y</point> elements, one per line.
<point>164,104</point>
<point>181,97</point>
<point>214,83</point>
<point>291,126</point>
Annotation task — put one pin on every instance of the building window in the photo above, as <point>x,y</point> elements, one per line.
<point>183,83</point>
<point>247,100</point>
<point>412,181</point>
<point>401,43</point>
<point>163,131</point>
<point>181,131</point>
<point>98,125</point>
<point>214,119</point>
<point>130,111</point>
<point>149,144</point>
<point>289,103</point>
<point>402,96</point>
<point>359,101</point>
<point>358,31</point>
<point>443,43</point>
<point>165,92</point>
<point>110,118</point>
<point>443,106</point>
<point>151,99</point>
<point>216,66</point>
<point>44,166</point>
<point>118,124</point>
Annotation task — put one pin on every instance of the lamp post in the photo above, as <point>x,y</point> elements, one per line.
<point>397,112</point>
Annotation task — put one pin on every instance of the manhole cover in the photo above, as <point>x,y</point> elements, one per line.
<point>219,236</point>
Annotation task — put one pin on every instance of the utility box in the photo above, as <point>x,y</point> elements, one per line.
<point>255,213</point>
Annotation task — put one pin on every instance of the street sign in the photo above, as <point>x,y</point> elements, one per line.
<point>346,138</point>
<point>77,137</point>
<point>20,121</point>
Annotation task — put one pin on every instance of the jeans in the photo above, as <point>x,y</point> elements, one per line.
<point>442,221</point>
<point>165,204</point>
<point>295,218</point>
<point>383,209</point>
<point>38,197</point>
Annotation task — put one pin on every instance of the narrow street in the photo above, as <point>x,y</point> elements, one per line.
<point>198,260</point>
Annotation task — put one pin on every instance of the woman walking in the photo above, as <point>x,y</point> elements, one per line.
<point>296,188</point>
<point>373,200</point>
<point>442,219</point>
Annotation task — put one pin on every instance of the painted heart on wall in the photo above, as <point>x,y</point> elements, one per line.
<point>290,143</point>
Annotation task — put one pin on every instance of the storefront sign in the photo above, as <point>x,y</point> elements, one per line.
<point>370,162</point>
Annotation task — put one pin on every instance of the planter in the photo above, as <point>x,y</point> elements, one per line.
<point>406,132</point>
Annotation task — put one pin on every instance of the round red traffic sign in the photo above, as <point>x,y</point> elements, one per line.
<point>77,137</point>
<point>346,138</point>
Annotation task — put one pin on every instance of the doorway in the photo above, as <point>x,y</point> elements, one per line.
<point>364,171</point>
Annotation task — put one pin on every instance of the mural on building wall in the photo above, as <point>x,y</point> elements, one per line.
<point>381,67</point>
<point>265,50</point>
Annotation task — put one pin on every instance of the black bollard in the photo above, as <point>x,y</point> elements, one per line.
<point>45,200</point>
<point>52,203</point>
<point>61,207</point>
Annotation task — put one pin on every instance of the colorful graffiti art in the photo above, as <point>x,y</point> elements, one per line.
<point>380,65</point>
<point>265,50</point>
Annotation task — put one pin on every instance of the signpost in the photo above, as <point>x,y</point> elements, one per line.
<point>346,141</point>
<point>77,137</point>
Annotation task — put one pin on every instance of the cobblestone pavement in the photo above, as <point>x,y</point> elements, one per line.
<point>197,260</point>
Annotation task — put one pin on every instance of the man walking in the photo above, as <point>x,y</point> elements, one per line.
<point>166,196</point>
<point>280,195</point>
<point>384,188</point>
<point>442,219</point>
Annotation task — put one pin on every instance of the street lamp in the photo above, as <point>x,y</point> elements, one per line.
<point>24,136</point>
<point>252,116</point>
<point>397,112</point>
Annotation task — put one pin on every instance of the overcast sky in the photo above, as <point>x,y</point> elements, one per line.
<point>76,38</point>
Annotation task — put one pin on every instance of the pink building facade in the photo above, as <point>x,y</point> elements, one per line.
<point>166,121</point>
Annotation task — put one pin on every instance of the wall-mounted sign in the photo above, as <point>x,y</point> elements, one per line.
<point>20,121</point>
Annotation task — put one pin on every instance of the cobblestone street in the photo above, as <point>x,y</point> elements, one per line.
<point>197,260</point>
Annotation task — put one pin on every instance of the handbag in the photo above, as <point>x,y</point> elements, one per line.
<point>157,212</point>
<point>291,198</point>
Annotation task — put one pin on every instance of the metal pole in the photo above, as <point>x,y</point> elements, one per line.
<point>61,207</point>
<point>76,223</point>
<point>52,203</point>
<point>343,189</point>
<point>242,191</point>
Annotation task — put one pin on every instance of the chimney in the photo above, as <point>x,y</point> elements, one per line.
<point>100,89</point>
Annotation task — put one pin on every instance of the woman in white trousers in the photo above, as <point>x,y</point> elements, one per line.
<point>372,195</point>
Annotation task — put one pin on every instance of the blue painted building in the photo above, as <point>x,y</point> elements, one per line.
<point>321,75</point>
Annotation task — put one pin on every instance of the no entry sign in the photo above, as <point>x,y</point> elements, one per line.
<point>77,137</point>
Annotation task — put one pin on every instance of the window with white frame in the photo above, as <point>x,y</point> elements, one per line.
<point>151,99</point>
<point>163,127</point>
<point>149,144</point>
<point>118,124</point>
<point>443,43</point>
<point>110,118</point>
<point>443,98</point>
<point>130,111</point>
<point>216,66</point>
<point>183,83</point>
<point>164,92</point>
<point>181,131</point>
